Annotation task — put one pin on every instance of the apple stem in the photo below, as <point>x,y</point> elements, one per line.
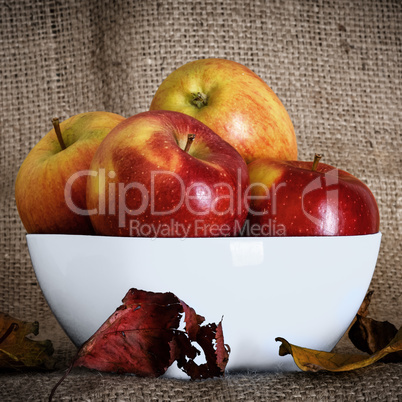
<point>190,139</point>
<point>199,100</point>
<point>317,158</point>
<point>56,126</point>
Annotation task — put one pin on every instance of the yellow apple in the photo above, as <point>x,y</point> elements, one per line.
<point>235,103</point>
<point>50,189</point>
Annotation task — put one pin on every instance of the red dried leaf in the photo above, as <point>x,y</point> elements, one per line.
<point>222,350</point>
<point>135,339</point>
<point>210,338</point>
<point>142,337</point>
<point>192,320</point>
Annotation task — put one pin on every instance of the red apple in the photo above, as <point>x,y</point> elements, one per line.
<point>50,188</point>
<point>235,103</point>
<point>296,198</point>
<point>165,174</point>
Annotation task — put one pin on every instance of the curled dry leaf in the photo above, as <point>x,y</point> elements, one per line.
<point>209,338</point>
<point>17,351</point>
<point>370,336</point>
<point>315,360</point>
<point>381,339</point>
<point>135,338</point>
<point>142,337</point>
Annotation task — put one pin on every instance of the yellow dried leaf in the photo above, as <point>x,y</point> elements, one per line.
<point>315,360</point>
<point>17,351</point>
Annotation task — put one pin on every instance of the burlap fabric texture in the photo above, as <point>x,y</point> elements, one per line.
<point>336,66</point>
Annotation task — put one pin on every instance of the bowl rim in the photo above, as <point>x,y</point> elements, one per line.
<point>197,238</point>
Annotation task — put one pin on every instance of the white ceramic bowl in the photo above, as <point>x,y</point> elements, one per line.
<point>304,289</point>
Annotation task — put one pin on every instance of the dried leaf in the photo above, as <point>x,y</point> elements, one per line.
<point>370,336</point>
<point>135,338</point>
<point>19,352</point>
<point>314,360</point>
<point>216,359</point>
<point>222,350</point>
<point>142,337</point>
<point>363,310</point>
<point>192,320</point>
<point>381,339</point>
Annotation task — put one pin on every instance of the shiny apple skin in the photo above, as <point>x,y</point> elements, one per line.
<point>41,180</point>
<point>148,149</point>
<point>303,202</point>
<point>241,107</point>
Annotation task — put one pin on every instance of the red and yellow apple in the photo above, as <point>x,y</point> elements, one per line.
<point>235,103</point>
<point>50,188</point>
<point>300,198</point>
<point>166,174</point>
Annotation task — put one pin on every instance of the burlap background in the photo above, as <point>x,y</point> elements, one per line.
<point>337,67</point>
